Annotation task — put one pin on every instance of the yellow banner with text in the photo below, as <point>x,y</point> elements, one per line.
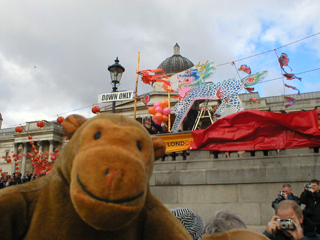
<point>177,142</point>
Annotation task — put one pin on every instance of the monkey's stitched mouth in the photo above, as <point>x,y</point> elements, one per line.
<point>117,201</point>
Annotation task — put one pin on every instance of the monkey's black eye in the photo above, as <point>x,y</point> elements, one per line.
<point>139,146</point>
<point>97,135</point>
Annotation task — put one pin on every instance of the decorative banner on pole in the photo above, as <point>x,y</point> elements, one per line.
<point>115,96</point>
<point>192,87</point>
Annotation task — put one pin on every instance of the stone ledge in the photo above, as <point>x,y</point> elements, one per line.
<point>209,155</point>
<point>237,171</point>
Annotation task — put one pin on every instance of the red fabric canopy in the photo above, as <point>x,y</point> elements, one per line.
<point>256,130</point>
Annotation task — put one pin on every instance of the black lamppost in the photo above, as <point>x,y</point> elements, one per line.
<point>116,71</point>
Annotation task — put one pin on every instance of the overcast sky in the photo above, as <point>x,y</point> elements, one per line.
<point>54,54</point>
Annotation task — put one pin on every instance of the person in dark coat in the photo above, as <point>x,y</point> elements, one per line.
<point>285,194</point>
<point>303,229</point>
<point>311,198</point>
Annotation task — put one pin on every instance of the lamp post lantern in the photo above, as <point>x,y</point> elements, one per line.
<point>116,71</point>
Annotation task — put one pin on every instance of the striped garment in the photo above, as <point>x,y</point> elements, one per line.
<point>193,222</point>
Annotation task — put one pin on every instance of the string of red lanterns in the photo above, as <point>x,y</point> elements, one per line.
<point>41,158</point>
<point>41,124</point>
<point>36,157</point>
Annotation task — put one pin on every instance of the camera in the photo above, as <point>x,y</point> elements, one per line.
<point>286,223</point>
<point>308,186</point>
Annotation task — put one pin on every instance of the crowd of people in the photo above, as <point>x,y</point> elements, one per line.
<point>17,178</point>
<point>290,220</point>
<point>223,225</point>
<point>310,197</point>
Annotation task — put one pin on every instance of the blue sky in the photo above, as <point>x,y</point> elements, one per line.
<point>71,43</point>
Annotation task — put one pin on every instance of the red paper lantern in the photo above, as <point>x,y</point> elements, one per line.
<point>29,137</point>
<point>19,129</point>
<point>0,169</point>
<point>56,150</point>
<point>16,164</point>
<point>95,109</point>
<point>53,158</point>
<point>9,160</point>
<point>3,174</point>
<point>17,168</point>
<point>41,124</point>
<point>60,119</point>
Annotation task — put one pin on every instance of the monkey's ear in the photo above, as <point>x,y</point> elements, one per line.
<point>72,123</point>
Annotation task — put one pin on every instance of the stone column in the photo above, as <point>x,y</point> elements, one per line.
<point>40,144</point>
<point>51,147</point>
<point>24,158</point>
<point>15,151</point>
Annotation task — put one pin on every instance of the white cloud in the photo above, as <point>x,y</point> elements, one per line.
<point>72,43</point>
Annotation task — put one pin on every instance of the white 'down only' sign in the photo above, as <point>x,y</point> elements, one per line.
<point>115,96</point>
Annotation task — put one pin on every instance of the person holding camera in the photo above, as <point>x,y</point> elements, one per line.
<point>289,223</point>
<point>285,194</point>
<point>311,198</point>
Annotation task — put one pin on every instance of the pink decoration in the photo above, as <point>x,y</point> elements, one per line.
<point>166,111</point>
<point>158,109</point>
<point>156,121</point>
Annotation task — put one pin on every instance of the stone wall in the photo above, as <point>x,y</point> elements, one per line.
<point>246,183</point>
